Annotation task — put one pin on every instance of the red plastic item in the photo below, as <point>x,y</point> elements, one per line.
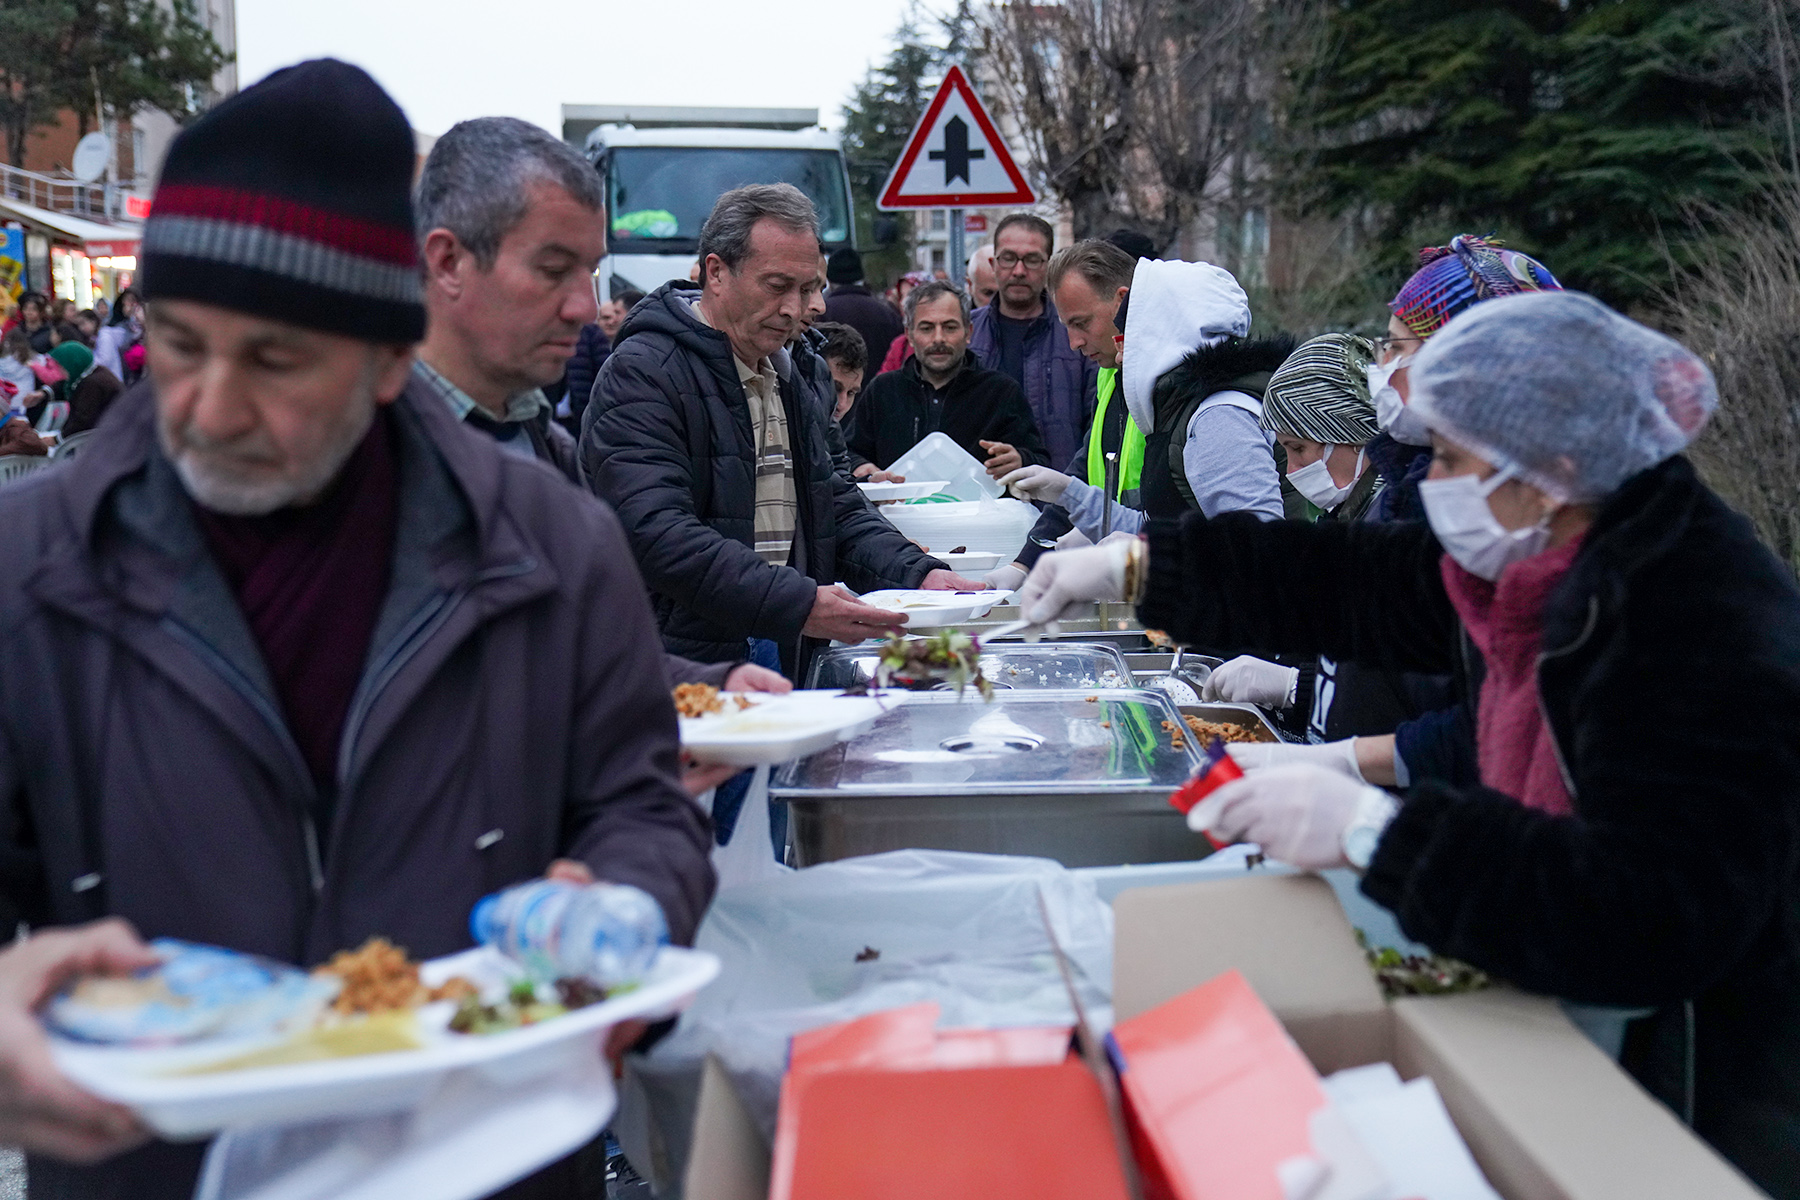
<point>1185,797</point>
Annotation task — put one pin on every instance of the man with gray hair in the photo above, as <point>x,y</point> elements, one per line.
<point>942,388</point>
<point>511,225</point>
<point>709,447</point>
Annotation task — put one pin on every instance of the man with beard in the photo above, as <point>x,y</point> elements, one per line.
<point>942,387</point>
<point>294,658</point>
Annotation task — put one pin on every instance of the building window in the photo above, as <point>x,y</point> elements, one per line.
<point>937,220</point>
<point>937,259</point>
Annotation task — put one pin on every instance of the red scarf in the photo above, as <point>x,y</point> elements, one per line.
<point>1505,620</point>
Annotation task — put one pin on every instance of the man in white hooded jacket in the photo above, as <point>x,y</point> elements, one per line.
<point>1193,383</point>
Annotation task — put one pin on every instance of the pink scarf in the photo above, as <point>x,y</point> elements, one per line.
<point>1506,622</point>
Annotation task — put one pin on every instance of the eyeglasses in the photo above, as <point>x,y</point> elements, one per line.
<point>1007,260</point>
<point>1384,344</point>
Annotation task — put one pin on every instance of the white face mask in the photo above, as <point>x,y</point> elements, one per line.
<point>1314,481</point>
<point>1391,412</point>
<point>1458,511</point>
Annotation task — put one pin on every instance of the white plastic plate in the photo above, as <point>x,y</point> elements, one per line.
<point>779,729</point>
<point>934,610</point>
<point>881,493</point>
<point>971,560</point>
<point>189,1106</point>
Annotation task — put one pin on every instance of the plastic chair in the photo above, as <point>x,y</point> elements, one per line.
<point>68,446</point>
<point>12,466</point>
<point>54,415</point>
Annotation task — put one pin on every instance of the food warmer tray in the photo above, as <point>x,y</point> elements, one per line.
<point>1079,775</point>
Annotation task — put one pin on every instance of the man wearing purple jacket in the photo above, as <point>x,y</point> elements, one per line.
<point>294,658</point>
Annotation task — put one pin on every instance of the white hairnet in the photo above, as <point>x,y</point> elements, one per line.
<point>1575,398</point>
<point>1174,309</point>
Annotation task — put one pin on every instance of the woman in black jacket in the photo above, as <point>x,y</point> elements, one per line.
<point>1634,840</point>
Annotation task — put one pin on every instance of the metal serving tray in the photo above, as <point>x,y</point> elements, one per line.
<point>1235,714</point>
<point>1081,776</point>
<point>1007,665</point>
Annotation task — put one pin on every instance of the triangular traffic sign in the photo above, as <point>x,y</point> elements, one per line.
<point>954,143</point>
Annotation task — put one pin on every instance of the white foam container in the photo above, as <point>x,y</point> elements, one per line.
<point>981,527</point>
<point>937,456</point>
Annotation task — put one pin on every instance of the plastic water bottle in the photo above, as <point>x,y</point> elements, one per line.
<point>605,932</point>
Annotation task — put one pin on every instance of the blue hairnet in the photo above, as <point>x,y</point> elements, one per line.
<point>1571,396</point>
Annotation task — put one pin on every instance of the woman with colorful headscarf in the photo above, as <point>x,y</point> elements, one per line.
<point>1450,280</point>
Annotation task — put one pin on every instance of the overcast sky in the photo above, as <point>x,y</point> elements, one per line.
<point>445,60</point>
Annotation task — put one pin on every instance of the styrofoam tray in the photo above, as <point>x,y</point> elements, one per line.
<point>934,609</point>
<point>187,1106</point>
<point>778,729</point>
<point>880,493</point>
<point>971,560</point>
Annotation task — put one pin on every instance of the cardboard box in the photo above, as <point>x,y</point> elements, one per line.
<point>1545,1113</point>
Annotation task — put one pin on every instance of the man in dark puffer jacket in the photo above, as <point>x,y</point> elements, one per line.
<point>671,440</point>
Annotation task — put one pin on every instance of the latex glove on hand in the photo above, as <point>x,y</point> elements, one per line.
<point>1063,581</point>
<point>1005,579</point>
<point>1037,483</point>
<point>1297,814</point>
<point>1249,680</point>
<point>1333,756</point>
<point>1073,540</point>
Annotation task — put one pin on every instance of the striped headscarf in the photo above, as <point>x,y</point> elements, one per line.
<point>1321,393</point>
<point>1467,271</point>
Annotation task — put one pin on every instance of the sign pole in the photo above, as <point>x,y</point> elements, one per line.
<point>958,260</point>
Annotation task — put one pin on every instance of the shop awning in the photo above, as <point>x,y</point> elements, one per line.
<point>96,239</point>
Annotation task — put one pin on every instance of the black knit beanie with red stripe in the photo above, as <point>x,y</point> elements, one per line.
<point>293,200</point>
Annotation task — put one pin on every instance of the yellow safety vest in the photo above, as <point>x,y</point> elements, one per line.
<point>1131,449</point>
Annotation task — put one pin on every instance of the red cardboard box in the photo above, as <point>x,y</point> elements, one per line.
<point>876,1108</point>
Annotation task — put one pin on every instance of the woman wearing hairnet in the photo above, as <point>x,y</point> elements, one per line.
<point>1317,407</point>
<point>1635,836</point>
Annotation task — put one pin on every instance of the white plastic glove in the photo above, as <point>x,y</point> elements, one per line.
<point>1063,581</point>
<point>1005,579</point>
<point>1333,756</point>
<point>1036,483</point>
<point>1248,680</point>
<point>1297,814</point>
<point>1073,540</point>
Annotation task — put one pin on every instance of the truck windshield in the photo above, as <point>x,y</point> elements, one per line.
<point>659,196</point>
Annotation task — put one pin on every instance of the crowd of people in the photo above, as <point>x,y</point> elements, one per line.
<point>367,601</point>
<point>61,367</point>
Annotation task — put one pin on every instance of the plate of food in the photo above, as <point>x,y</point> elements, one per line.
<point>749,729</point>
<point>379,1038</point>
<point>886,493</point>
<point>936,609</point>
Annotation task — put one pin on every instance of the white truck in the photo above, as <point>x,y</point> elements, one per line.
<point>665,167</point>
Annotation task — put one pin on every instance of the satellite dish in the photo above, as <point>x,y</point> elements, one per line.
<point>91,156</point>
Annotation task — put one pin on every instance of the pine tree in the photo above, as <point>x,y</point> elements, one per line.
<point>1587,133</point>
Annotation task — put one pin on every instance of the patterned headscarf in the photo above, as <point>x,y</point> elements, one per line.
<point>1467,271</point>
<point>1321,393</point>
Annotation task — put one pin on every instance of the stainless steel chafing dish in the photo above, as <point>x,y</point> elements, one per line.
<point>1081,776</point>
<point>1006,665</point>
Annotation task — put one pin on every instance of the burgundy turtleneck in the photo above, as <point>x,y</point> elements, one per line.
<point>311,582</point>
